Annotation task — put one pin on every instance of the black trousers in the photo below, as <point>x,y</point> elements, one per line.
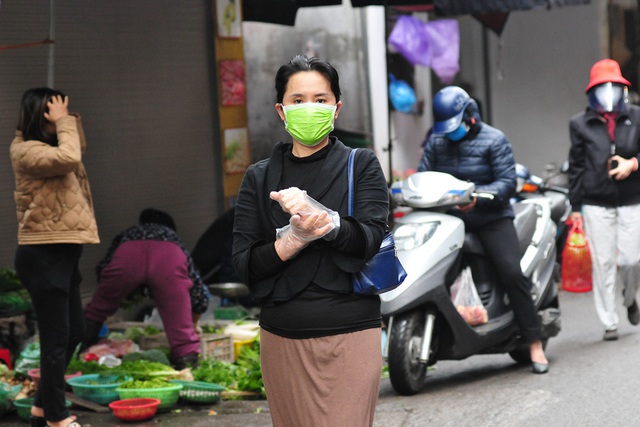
<point>50,274</point>
<point>500,242</point>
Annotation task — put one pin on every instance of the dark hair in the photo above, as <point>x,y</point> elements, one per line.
<point>303,63</point>
<point>155,216</point>
<point>32,122</point>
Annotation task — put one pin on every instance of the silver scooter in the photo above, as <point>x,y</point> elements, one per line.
<point>422,324</point>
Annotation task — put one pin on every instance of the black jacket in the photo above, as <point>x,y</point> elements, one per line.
<point>589,154</point>
<point>483,157</point>
<point>258,216</point>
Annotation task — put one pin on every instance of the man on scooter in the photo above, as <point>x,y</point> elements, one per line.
<point>462,145</point>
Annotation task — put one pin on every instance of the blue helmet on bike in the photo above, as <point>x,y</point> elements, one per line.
<point>449,106</point>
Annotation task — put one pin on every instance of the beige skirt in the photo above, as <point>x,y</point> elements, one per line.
<point>322,382</point>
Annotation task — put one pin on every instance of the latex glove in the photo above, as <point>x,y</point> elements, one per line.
<point>313,214</point>
<point>623,168</point>
<point>295,236</point>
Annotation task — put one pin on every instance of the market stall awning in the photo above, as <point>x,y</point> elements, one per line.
<point>492,13</point>
<point>279,11</point>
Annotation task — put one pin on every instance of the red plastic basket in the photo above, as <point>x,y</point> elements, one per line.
<point>135,409</point>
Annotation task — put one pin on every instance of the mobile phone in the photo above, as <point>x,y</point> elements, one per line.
<point>613,164</point>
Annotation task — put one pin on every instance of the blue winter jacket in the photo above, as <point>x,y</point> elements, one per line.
<point>484,157</point>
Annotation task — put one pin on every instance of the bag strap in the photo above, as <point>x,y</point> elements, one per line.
<point>352,156</point>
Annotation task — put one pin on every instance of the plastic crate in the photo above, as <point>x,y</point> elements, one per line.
<point>218,347</point>
<point>96,388</point>
<point>154,341</point>
<point>199,391</point>
<point>168,396</point>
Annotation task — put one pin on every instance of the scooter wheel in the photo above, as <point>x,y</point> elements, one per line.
<point>406,372</point>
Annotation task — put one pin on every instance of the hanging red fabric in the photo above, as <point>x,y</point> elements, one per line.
<point>576,262</point>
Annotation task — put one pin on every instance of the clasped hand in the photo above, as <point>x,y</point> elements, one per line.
<point>310,220</point>
<point>623,169</point>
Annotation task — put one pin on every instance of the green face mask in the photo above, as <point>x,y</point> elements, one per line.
<point>309,123</point>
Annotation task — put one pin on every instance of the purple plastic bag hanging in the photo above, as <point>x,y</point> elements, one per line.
<point>433,44</point>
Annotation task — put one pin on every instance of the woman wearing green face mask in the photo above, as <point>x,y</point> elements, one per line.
<point>295,246</point>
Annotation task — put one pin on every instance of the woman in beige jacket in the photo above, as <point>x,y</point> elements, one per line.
<point>55,218</point>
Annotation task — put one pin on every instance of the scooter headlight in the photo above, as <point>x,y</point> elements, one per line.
<point>411,236</point>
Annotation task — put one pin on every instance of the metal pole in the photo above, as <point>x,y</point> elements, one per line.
<point>52,46</point>
<point>487,114</point>
<point>389,143</point>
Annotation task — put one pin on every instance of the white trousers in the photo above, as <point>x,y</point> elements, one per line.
<point>614,239</point>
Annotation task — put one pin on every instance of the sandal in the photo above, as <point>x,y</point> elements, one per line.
<point>72,423</point>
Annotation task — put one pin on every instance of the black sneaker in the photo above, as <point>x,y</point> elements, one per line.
<point>633,313</point>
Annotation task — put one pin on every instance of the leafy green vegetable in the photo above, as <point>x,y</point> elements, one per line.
<point>15,300</point>
<point>154,383</point>
<point>134,333</point>
<point>152,355</point>
<point>244,375</point>
<point>77,364</point>
<point>215,371</point>
<point>250,378</point>
<point>9,280</point>
<point>143,369</point>
<point>211,329</point>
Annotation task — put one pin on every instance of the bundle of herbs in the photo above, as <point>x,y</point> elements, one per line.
<point>141,372</point>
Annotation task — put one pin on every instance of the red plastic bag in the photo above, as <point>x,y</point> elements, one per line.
<point>576,262</point>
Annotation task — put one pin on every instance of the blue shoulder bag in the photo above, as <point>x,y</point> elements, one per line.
<point>384,271</point>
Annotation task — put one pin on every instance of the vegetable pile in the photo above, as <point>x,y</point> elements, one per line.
<point>244,375</point>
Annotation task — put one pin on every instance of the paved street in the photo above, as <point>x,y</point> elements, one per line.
<point>590,383</point>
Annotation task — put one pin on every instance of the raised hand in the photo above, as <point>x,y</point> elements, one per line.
<point>58,108</point>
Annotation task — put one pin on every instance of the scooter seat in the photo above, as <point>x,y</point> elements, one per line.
<point>472,244</point>
<point>524,222</point>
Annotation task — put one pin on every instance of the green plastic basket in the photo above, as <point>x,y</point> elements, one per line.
<point>168,396</point>
<point>96,388</point>
<point>23,406</point>
<point>199,391</point>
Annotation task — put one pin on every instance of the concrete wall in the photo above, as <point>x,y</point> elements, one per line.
<point>538,71</point>
<point>140,75</point>
<point>331,32</point>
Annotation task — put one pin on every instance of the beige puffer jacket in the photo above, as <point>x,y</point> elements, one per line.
<point>53,198</point>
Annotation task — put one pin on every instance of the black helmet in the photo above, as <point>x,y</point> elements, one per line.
<point>449,105</point>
